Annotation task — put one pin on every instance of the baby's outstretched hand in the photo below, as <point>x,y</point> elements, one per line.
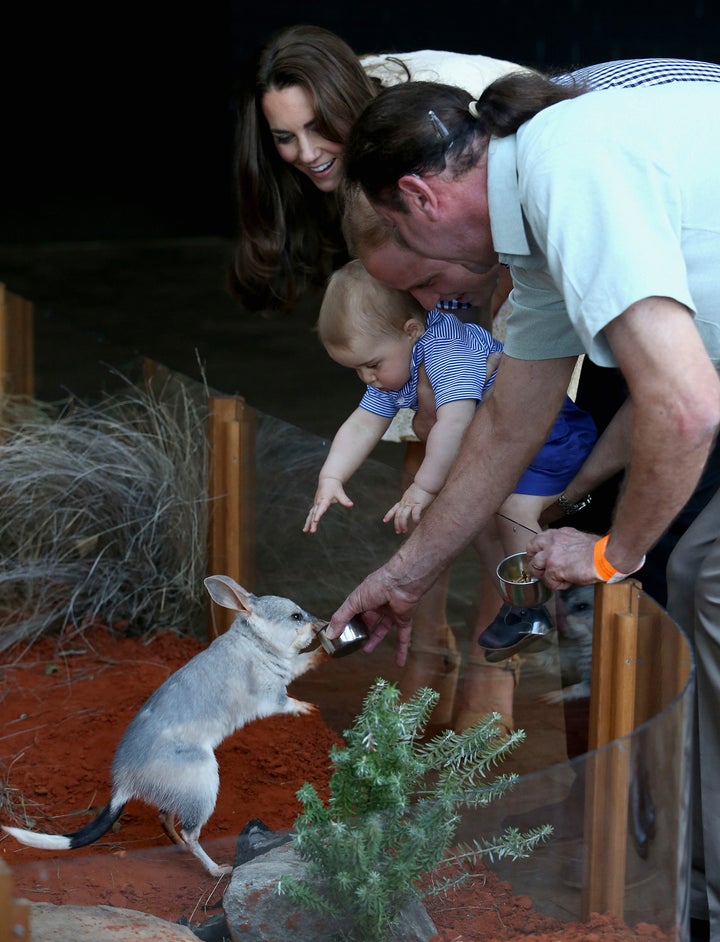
<point>330,491</point>
<point>409,508</point>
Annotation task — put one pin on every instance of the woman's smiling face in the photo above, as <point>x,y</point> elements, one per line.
<point>290,115</point>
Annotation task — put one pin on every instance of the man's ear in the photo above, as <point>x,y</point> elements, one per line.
<point>419,195</point>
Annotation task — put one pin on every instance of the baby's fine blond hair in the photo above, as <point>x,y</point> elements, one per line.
<point>356,303</point>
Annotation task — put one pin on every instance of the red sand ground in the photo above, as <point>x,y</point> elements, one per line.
<point>63,708</point>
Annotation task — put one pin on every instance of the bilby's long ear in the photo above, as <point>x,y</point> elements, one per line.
<point>419,195</point>
<point>226,592</point>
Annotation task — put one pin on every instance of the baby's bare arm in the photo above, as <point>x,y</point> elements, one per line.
<point>353,442</point>
<point>441,449</point>
<point>443,443</point>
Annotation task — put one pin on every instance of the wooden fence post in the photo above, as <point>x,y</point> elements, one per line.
<point>16,345</point>
<point>230,490</point>
<point>627,631</point>
<point>14,914</point>
<point>612,716</point>
<point>231,550</point>
<point>626,634</point>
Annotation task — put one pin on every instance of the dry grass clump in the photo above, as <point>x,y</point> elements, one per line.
<point>103,514</point>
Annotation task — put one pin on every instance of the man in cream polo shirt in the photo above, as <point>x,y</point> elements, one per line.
<point>606,208</point>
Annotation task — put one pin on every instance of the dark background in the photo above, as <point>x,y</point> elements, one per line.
<point>116,204</point>
<point>117,119</point>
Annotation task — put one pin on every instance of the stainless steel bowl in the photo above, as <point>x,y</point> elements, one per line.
<point>518,588</point>
<point>353,636</point>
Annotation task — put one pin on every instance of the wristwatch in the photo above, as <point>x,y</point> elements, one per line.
<point>569,507</point>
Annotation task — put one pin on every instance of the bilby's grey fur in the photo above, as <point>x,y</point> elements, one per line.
<point>575,612</point>
<point>166,756</point>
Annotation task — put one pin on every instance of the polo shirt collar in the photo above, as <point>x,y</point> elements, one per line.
<point>506,218</point>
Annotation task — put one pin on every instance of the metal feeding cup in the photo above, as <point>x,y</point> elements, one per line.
<point>518,586</point>
<point>353,636</point>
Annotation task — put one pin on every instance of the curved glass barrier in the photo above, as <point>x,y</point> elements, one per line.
<point>618,803</point>
<point>605,704</point>
<point>619,812</point>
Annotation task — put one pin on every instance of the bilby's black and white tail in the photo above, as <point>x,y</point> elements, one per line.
<point>87,835</point>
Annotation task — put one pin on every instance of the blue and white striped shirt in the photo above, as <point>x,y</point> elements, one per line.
<point>455,358</point>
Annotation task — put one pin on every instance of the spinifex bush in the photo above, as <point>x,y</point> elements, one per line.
<point>395,804</point>
<point>103,513</point>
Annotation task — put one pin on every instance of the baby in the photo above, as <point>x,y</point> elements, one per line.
<point>390,340</point>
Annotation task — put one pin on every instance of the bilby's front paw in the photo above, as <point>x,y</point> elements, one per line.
<point>318,656</point>
<point>301,708</point>
<point>573,692</point>
<point>553,696</point>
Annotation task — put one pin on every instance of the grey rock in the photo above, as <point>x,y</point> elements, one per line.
<point>101,924</point>
<point>256,913</point>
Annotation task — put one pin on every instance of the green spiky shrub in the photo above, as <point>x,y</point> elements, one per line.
<point>394,808</point>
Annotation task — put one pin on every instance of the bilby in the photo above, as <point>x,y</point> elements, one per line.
<point>575,612</point>
<point>166,756</point>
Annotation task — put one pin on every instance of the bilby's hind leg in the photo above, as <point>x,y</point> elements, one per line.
<point>193,772</point>
<point>191,838</point>
<point>167,822</point>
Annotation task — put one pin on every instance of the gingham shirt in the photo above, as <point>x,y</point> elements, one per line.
<point>629,73</point>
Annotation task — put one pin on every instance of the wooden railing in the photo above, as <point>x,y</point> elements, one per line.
<point>14,913</point>
<point>17,376</point>
<point>626,638</point>
<point>231,444</point>
<point>231,448</point>
<point>231,488</point>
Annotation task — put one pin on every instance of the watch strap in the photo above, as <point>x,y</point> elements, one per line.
<point>569,507</point>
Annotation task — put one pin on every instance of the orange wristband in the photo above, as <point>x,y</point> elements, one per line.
<point>605,570</point>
